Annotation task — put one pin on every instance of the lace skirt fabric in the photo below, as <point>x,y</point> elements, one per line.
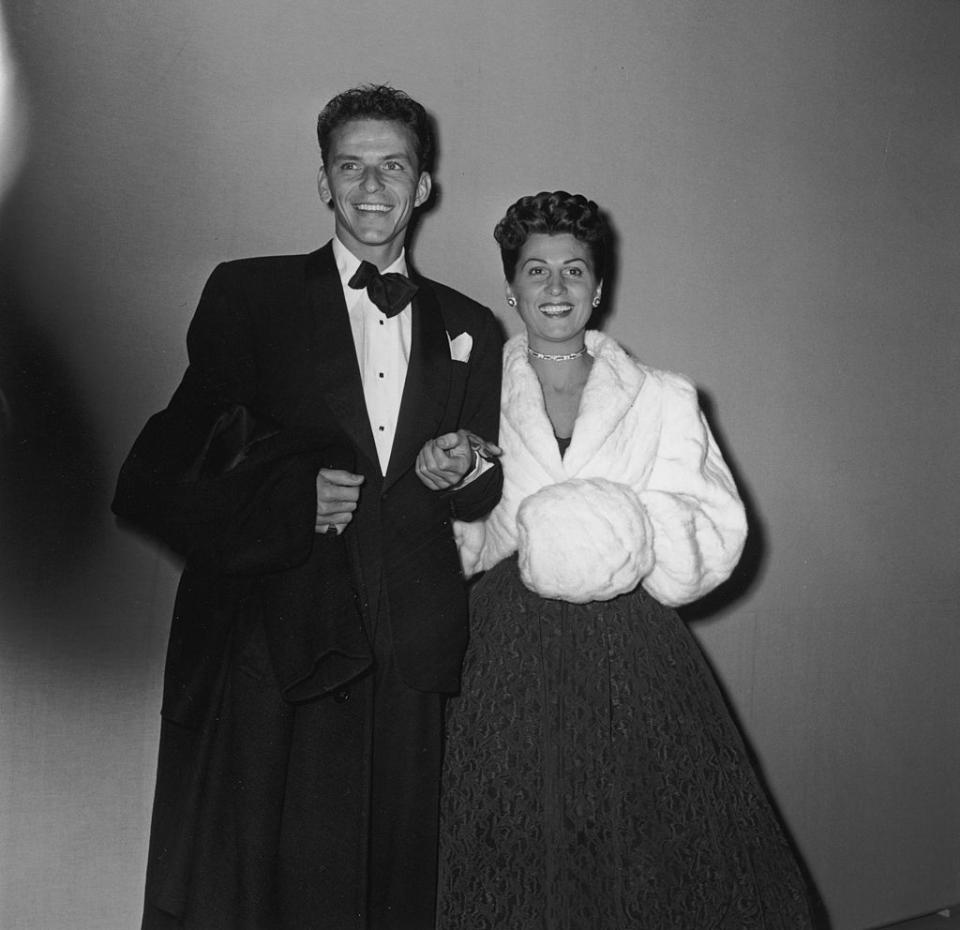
<point>594,779</point>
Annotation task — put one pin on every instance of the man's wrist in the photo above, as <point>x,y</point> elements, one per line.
<point>480,465</point>
<point>472,471</point>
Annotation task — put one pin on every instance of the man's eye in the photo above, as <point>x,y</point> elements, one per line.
<point>393,166</point>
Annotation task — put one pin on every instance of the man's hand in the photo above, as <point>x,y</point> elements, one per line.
<point>337,494</point>
<point>445,461</point>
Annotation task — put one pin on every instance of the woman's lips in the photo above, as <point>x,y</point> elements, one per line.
<point>554,310</point>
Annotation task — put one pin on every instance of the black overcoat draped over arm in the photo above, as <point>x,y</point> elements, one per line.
<point>271,617</point>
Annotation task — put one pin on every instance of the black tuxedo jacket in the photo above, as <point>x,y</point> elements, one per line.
<point>271,335</point>
<point>270,616</point>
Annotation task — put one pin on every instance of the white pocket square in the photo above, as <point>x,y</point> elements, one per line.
<point>460,347</point>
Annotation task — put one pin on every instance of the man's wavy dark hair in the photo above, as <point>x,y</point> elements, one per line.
<point>552,213</point>
<point>381,102</point>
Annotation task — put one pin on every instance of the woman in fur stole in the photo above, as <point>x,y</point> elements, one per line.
<point>594,776</point>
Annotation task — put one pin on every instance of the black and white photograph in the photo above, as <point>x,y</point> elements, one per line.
<point>479,466</point>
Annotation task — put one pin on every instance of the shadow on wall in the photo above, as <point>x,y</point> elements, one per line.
<point>53,483</point>
<point>750,568</point>
<point>52,479</point>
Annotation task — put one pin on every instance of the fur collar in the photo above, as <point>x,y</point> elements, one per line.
<point>612,387</point>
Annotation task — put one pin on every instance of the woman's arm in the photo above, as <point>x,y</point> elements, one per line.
<point>698,523</point>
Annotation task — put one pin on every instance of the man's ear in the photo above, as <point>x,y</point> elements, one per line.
<point>424,186</point>
<point>323,187</point>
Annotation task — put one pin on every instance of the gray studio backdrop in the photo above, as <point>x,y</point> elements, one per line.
<point>783,181</point>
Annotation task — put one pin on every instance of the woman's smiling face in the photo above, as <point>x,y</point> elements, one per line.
<point>554,287</point>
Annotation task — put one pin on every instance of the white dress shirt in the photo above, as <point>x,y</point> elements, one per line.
<point>383,350</point>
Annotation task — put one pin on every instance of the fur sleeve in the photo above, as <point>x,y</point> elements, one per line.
<point>699,524</point>
<point>484,543</point>
<point>469,538</point>
<point>583,540</point>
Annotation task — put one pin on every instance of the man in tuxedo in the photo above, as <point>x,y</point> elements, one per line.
<point>337,413</point>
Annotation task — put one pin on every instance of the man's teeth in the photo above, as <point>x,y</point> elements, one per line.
<point>373,207</point>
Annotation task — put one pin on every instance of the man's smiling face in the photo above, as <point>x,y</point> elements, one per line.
<point>374,183</point>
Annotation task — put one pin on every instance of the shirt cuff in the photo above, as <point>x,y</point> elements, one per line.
<point>480,465</point>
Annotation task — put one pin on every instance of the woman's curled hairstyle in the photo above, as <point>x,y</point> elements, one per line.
<point>551,213</point>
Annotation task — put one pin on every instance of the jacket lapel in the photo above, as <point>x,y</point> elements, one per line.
<point>337,373</point>
<point>427,385</point>
<point>611,389</point>
<point>523,407</point>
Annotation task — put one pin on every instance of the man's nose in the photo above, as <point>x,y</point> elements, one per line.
<point>371,180</point>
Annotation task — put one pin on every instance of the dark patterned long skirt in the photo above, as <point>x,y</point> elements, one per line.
<point>595,780</point>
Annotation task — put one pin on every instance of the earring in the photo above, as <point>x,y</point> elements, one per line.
<point>511,302</point>
<point>596,301</point>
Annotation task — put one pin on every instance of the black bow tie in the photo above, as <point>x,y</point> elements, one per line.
<point>390,292</point>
